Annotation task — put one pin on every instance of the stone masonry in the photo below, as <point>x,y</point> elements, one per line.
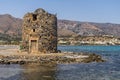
<point>39,32</point>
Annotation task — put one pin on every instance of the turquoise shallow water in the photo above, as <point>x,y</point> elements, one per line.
<point>89,48</point>
<point>109,70</point>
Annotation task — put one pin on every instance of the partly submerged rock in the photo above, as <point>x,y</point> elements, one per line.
<point>59,58</point>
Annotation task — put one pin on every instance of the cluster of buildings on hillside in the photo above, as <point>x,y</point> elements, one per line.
<point>89,40</point>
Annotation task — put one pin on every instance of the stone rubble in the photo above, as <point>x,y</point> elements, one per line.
<point>51,59</point>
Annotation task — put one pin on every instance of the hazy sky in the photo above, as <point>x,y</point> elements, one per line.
<point>81,10</point>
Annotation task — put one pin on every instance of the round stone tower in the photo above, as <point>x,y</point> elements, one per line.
<point>39,32</point>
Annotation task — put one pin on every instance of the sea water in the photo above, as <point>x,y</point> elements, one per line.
<point>109,70</point>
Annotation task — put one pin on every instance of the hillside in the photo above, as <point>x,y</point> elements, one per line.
<point>89,28</point>
<point>10,27</point>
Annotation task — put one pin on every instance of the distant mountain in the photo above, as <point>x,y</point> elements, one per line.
<point>88,28</point>
<point>12,26</point>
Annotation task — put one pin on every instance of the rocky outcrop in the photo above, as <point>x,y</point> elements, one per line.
<point>58,58</point>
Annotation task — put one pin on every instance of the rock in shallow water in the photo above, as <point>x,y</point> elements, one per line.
<point>51,58</point>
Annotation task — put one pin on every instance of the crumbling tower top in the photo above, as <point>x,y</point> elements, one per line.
<point>39,11</point>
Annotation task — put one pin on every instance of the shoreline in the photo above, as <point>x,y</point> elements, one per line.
<point>89,45</point>
<point>12,55</point>
<point>52,58</point>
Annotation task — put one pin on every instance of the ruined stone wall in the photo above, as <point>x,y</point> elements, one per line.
<point>41,26</point>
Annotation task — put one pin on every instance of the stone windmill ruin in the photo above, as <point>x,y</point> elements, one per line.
<point>39,32</point>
